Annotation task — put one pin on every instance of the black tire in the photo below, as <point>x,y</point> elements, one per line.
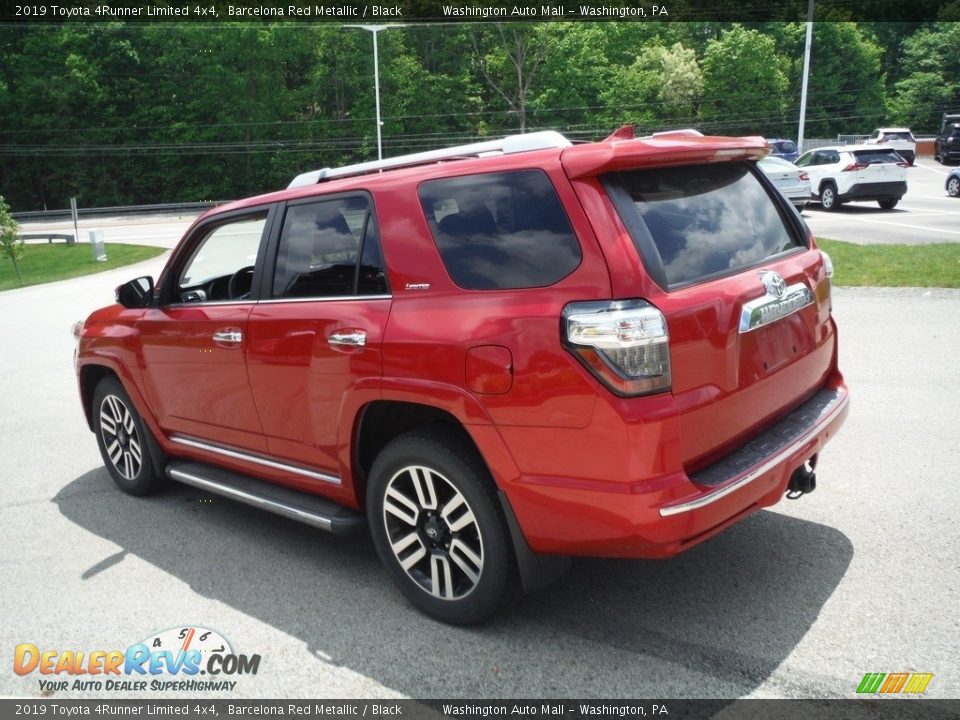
<point>828,197</point>
<point>125,442</point>
<point>953,186</point>
<point>888,204</point>
<point>441,532</point>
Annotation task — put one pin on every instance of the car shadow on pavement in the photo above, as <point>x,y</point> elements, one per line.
<point>713,622</point>
<point>859,209</point>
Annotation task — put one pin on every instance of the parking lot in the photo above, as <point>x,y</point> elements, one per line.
<point>926,214</point>
<point>798,601</point>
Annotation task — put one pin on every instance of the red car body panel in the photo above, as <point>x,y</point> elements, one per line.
<point>585,471</point>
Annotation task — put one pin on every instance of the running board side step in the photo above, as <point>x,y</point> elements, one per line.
<point>292,504</point>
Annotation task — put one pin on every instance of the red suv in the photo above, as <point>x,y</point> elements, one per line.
<point>495,356</point>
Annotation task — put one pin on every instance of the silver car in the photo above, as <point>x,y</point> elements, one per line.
<point>790,180</point>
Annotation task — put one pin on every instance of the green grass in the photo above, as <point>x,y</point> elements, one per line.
<point>894,265</point>
<point>876,265</point>
<point>59,261</point>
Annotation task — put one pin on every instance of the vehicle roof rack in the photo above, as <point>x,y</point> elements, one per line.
<point>506,146</point>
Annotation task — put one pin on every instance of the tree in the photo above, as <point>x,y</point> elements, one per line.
<point>510,58</point>
<point>662,85</point>
<point>930,84</point>
<point>11,244</point>
<point>744,86</point>
<point>847,85</point>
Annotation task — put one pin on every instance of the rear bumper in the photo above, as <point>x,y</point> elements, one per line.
<point>875,191</point>
<point>787,440</point>
<point>665,515</point>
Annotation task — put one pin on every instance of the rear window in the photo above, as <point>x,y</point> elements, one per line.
<point>499,231</point>
<point>785,146</point>
<point>700,221</point>
<point>869,157</point>
<point>898,136</point>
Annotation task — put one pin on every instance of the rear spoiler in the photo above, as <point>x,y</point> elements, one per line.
<point>677,147</point>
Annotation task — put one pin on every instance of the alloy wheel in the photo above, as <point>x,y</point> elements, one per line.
<point>433,532</point>
<point>953,187</point>
<point>120,437</point>
<point>828,198</point>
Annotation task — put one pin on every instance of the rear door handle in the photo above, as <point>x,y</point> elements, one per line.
<point>348,338</point>
<point>228,337</point>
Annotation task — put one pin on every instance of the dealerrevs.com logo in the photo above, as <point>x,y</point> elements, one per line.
<point>191,659</point>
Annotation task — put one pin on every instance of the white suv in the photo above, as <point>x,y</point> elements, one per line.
<point>900,139</point>
<point>855,172</point>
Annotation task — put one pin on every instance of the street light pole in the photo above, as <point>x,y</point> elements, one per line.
<point>374,29</point>
<point>806,76</point>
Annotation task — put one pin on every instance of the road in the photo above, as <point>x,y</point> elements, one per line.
<point>798,601</point>
<point>926,214</point>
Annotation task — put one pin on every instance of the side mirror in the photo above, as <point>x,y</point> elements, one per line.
<point>137,293</point>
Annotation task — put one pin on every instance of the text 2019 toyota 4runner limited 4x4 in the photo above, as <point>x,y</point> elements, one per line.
<point>495,356</point>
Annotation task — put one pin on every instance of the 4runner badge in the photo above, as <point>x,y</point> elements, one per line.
<point>778,301</point>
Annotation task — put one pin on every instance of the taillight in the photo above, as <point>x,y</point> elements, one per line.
<point>624,343</point>
<point>804,177</point>
<point>854,166</point>
<point>903,163</point>
<point>827,265</point>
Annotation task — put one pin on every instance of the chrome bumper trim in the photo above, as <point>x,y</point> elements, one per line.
<point>838,406</point>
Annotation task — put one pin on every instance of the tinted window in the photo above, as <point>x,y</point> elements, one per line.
<point>500,230</point>
<point>868,157</point>
<point>329,248</point>
<point>704,220</point>
<point>785,146</point>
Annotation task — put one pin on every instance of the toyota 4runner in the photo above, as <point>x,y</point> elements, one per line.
<point>494,356</point>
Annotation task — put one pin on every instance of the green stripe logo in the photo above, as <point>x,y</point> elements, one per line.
<point>894,683</point>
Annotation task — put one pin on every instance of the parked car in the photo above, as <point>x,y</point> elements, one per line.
<point>784,149</point>
<point>855,172</point>
<point>900,139</point>
<point>494,356</point>
<point>946,147</point>
<point>953,183</point>
<point>790,180</point>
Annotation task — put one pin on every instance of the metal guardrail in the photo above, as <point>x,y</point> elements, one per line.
<point>117,210</point>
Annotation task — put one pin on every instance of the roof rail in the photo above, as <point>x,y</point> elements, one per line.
<point>507,145</point>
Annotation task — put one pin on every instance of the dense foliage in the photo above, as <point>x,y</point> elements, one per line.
<point>120,113</point>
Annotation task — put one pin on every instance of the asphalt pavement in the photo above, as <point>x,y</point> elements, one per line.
<point>802,600</point>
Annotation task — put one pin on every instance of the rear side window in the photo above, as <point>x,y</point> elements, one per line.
<point>499,231</point>
<point>694,222</point>
<point>329,248</point>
